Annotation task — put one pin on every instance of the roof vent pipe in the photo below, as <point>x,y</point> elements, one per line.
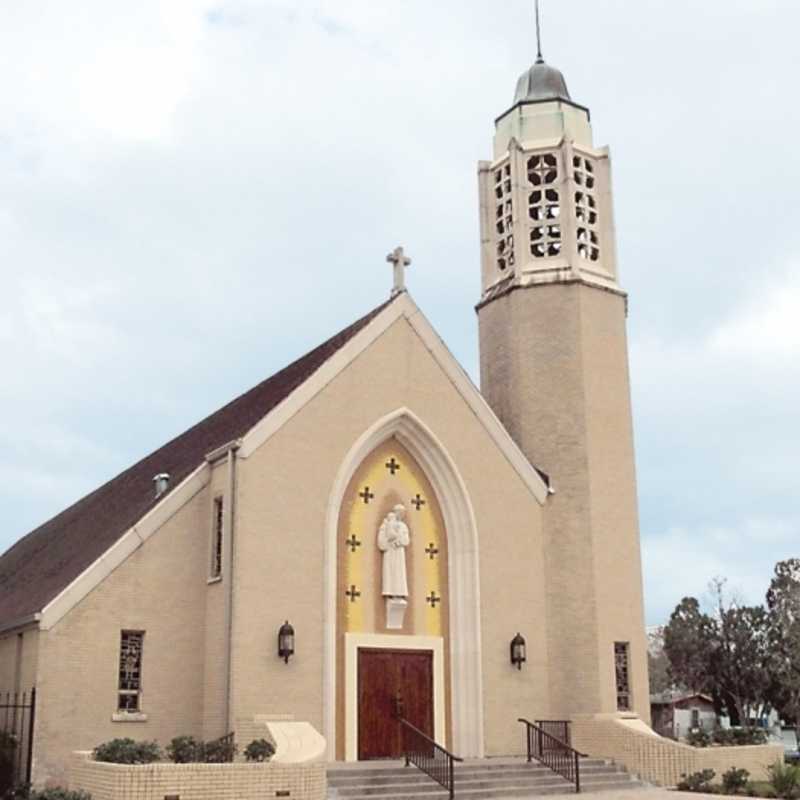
<point>162,483</point>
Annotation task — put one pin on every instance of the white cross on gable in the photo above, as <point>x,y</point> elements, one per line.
<point>400,260</point>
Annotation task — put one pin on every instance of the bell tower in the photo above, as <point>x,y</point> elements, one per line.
<point>554,367</point>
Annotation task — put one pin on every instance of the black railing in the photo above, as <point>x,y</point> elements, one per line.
<point>17,717</point>
<point>423,752</point>
<point>557,728</point>
<point>222,750</point>
<point>553,752</point>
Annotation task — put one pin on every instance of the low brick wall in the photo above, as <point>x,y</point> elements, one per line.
<point>238,781</point>
<point>664,761</point>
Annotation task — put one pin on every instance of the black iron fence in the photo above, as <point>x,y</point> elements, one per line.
<point>553,753</point>
<point>17,716</point>
<point>557,728</point>
<point>423,752</point>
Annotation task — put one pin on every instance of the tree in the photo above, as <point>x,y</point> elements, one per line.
<point>658,663</point>
<point>687,639</point>
<point>726,654</point>
<point>741,658</point>
<point>783,602</point>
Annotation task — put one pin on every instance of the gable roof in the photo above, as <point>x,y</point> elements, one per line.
<point>43,563</point>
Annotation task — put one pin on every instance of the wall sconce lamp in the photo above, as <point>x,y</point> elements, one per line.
<point>518,651</point>
<point>286,641</point>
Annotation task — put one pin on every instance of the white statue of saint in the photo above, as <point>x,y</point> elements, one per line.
<point>393,538</point>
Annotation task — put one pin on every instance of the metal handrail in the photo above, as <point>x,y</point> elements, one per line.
<point>555,754</point>
<point>431,758</point>
<point>559,728</point>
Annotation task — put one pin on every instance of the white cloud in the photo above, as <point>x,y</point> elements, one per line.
<point>195,192</point>
<point>769,324</point>
<point>681,561</point>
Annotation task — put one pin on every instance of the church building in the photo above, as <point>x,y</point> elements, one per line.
<point>366,530</point>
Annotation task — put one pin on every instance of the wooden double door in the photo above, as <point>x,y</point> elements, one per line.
<point>392,681</point>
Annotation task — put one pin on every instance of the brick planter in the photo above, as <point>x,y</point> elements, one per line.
<point>166,781</point>
<point>663,761</point>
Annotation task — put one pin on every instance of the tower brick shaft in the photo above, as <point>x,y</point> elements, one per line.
<point>554,367</point>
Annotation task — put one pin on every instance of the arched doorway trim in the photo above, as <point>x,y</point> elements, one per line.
<point>462,536</point>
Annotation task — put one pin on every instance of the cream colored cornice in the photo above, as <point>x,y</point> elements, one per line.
<point>402,308</point>
<point>21,623</point>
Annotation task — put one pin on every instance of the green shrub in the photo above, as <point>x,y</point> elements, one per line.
<point>127,751</point>
<point>739,737</point>
<point>185,750</point>
<point>697,781</point>
<point>784,779</point>
<point>735,780</point>
<point>25,793</point>
<point>698,738</point>
<point>16,793</point>
<point>220,751</point>
<point>259,750</point>
<point>8,746</point>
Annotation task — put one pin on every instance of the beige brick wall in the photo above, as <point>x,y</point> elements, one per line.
<point>161,590</point>
<point>19,657</point>
<point>196,781</point>
<point>283,491</point>
<point>281,504</point>
<point>554,368</point>
<point>216,641</point>
<point>664,761</point>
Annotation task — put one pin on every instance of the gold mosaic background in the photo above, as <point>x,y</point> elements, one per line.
<point>360,560</point>
<point>360,563</point>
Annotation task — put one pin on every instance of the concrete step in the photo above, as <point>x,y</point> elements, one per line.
<point>412,775</point>
<point>339,775</point>
<point>507,793</point>
<point>488,779</point>
<point>430,787</point>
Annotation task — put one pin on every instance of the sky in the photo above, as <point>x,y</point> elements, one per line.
<point>193,194</point>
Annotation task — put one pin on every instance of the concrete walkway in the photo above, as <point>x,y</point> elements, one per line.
<point>646,793</point>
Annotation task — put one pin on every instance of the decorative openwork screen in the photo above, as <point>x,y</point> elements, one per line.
<point>216,541</point>
<point>622,669</point>
<point>504,213</point>
<point>130,670</point>
<point>586,208</point>
<point>544,206</point>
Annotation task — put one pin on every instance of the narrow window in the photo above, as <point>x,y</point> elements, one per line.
<point>622,668</point>
<point>130,671</point>
<point>216,539</point>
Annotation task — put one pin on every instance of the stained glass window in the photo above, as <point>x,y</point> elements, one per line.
<point>216,542</point>
<point>622,669</point>
<point>130,670</point>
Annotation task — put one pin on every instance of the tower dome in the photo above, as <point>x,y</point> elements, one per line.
<point>541,82</point>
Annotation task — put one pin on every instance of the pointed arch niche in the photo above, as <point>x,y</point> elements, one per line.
<point>461,628</point>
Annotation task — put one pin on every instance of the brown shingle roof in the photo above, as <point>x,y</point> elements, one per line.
<point>39,566</point>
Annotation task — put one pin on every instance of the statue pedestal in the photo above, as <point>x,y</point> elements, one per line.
<point>395,612</point>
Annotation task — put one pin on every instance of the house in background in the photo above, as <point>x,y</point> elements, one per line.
<point>675,714</point>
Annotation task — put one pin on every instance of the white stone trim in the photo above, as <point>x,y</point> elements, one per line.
<point>21,623</point>
<point>122,716</point>
<point>405,307</point>
<point>127,544</point>
<point>475,400</point>
<point>464,583</point>
<point>306,392</point>
<point>353,642</point>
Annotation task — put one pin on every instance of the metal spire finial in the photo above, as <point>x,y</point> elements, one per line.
<point>539,59</point>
